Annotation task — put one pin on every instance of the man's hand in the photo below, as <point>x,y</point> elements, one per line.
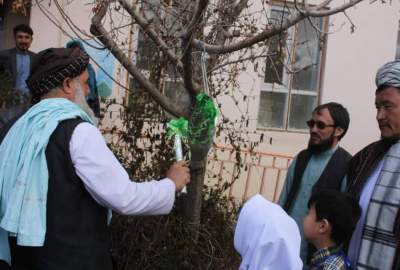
<point>179,173</point>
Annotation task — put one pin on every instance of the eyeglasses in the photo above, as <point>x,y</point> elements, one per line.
<point>319,124</point>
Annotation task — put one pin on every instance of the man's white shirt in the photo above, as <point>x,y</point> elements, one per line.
<point>108,182</point>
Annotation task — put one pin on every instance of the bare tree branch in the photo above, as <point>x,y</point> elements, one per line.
<point>223,49</point>
<point>240,60</point>
<point>98,30</point>
<point>186,70</point>
<point>317,12</point>
<point>201,6</point>
<point>187,37</point>
<point>245,43</point>
<point>221,31</point>
<point>323,4</point>
<point>188,67</point>
<point>147,27</point>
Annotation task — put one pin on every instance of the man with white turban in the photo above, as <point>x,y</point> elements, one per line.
<point>59,180</point>
<point>373,178</point>
<point>266,237</point>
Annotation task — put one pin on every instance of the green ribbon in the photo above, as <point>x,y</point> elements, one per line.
<point>202,125</point>
<point>201,128</point>
<point>178,127</point>
<point>206,105</point>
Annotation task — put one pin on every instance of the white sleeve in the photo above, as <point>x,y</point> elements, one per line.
<point>108,182</point>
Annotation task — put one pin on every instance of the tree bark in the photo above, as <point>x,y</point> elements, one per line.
<point>192,207</point>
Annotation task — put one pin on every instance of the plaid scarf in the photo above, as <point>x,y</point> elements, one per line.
<point>380,240</point>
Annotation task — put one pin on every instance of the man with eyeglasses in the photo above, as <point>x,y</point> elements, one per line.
<point>374,178</point>
<point>321,166</point>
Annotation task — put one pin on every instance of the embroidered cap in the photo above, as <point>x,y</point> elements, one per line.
<point>50,68</point>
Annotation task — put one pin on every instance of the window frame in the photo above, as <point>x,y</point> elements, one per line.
<point>288,90</point>
<point>134,40</point>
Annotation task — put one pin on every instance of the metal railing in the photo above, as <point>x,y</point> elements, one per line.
<point>260,172</point>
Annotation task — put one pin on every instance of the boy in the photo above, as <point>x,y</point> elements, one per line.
<point>329,223</point>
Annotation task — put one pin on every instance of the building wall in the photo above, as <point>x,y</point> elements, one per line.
<point>352,60</point>
<point>350,65</point>
<point>9,20</point>
<point>52,30</point>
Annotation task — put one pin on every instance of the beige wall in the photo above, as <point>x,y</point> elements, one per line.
<point>351,62</point>
<point>10,21</point>
<point>53,31</point>
<point>46,33</point>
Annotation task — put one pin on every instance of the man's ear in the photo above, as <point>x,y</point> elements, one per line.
<point>338,131</point>
<point>67,86</point>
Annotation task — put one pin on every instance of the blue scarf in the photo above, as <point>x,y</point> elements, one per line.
<point>24,175</point>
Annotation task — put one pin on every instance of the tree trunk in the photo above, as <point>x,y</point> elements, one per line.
<point>192,208</point>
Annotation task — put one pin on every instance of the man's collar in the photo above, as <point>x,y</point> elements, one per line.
<point>21,51</point>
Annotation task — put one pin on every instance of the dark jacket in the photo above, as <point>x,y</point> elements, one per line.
<point>8,61</point>
<point>360,168</point>
<point>363,164</point>
<point>12,104</point>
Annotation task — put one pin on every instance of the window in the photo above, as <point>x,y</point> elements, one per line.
<point>290,88</point>
<point>153,63</point>
<point>147,52</point>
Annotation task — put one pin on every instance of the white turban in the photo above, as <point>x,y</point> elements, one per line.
<point>266,237</point>
<point>389,74</point>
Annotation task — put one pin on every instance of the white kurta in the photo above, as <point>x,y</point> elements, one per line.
<point>266,237</point>
<point>108,182</point>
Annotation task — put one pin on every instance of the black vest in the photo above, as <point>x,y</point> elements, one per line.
<point>77,235</point>
<point>331,177</point>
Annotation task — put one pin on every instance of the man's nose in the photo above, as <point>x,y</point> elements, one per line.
<point>380,114</point>
<point>313,129</point>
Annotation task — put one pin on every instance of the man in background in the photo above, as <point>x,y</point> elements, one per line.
<point>321,166</point>
<point>17,63</point>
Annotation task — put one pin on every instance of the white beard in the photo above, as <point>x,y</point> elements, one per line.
<point>80,100</point>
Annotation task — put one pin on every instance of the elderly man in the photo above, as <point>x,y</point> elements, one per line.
<point>59,179</point>
<point>319,167</point>
<point>373,178</point>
